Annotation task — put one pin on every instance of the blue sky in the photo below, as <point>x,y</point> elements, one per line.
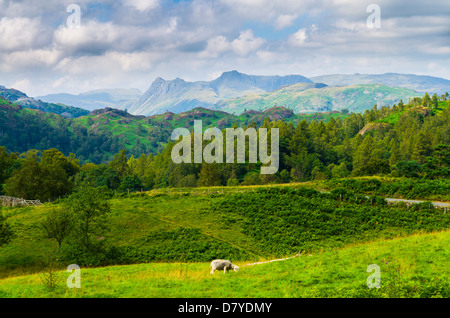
<point>129,43</point>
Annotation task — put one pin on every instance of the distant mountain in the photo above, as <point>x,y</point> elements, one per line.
<point>97,99</point>
<point>236,92</point>
<point>305,98</point>
<point>20,98</point>
<point>179,96</point>
<point>419,83</point>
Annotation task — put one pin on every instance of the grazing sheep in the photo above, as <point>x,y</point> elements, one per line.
<point>220,264</point>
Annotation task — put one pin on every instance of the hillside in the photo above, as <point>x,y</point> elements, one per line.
<point>419,83</point>
<point>343,236</point>
<point>304,98</point>
<point>99,135</point>
<point>336,274</point>
<point>20,98</point>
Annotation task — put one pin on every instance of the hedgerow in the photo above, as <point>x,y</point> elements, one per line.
<point>287,220</point>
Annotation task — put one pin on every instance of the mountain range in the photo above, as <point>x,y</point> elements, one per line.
<point>419,83</point>
<point>179,96</point>
<point>17,97</point>
<point>236,92</point>
<point>97,99</point>
<point>311,98</point>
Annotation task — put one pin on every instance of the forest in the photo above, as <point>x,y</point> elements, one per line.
<point>409,140</point>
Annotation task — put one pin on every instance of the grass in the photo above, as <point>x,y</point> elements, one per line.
<point>167,242</point>
<point>338,273</point>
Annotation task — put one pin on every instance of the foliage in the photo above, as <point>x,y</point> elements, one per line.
<point>57,225</point>
<point>401,187</point>
<point>286,220</point>
<point>6,232</point>
<point>414,146</point>
<point>89,208</point>
<point>37,179</point>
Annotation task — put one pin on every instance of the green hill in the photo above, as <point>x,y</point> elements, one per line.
<point>300,98</point>
<point>97,137</point>
<point>20,98</point>
<point>178,235</point>
<point>410,267</point>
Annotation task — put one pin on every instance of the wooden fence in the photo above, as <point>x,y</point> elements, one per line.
<point>10,201</point>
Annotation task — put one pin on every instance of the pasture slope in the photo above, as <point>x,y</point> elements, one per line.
<point>410,267</point>
<point>161,244</point>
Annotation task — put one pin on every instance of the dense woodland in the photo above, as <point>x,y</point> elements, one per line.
<point>410,140</point>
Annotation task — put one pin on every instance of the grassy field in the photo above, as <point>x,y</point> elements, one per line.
<point>161,242</point>
<point>410,267</point>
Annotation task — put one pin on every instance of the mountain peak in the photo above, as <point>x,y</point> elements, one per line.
<point>159,80</point>
<point>233,72</point>
<point>231,75</point>
<point>178,95</point>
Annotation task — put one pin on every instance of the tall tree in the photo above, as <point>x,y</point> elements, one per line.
<point>120,163</point>
<point>90,208</point>
<point>209,175</point>
<point>57,225</point>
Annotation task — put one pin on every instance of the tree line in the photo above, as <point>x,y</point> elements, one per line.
<point>409,140</point>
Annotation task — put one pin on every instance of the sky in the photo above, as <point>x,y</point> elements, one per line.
<point>47,47</point>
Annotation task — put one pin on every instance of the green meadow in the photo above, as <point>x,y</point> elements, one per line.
<point>411,266</point>
<point>160,244</point>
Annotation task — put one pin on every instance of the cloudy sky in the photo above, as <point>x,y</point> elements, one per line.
<point>128,43</point>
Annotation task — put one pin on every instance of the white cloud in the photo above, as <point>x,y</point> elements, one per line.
<point>135,41</point>
<point>285,20</point>
<point>89,37</point>
<point>19,33</point>
<point>39,58</point>
<point>215,47</point>
<point>246,43</point>
<point>242,46</point>
<point>141,5</point>
<point>23,85</point>
<point>298,38</point>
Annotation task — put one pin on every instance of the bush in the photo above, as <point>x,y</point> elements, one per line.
<point>286,220</point>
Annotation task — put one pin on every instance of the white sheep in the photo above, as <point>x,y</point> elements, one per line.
<point>220,264</point>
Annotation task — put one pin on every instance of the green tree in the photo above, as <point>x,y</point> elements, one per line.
<point>57,225</point>
<point>120,164</point>
<point>36,180</point>
<point>209,175</point>
<point>89,208</point>
<point>189,181</point>
<point>130,182</point>
<point>55,159</point>
<point>6,164</point>
<point>98,176</point>
<point>408,169</point>
<point>422,147</point>
<point>340,171</point>
<point>426,100</point>
<point>434,101</point>
<point>6,232</point>
<point>284,176</point>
